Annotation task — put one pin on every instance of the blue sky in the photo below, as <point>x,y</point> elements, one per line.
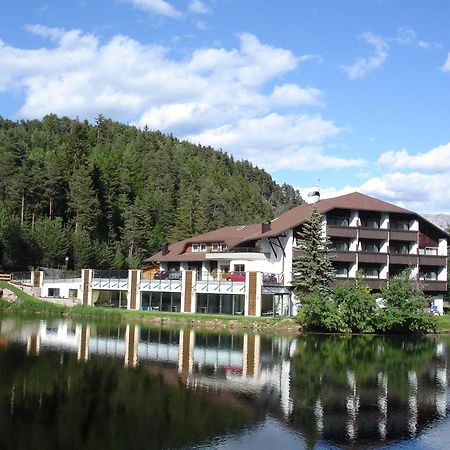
<point>355,94</point>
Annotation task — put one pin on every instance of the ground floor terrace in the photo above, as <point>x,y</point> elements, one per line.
<point>255,294</point>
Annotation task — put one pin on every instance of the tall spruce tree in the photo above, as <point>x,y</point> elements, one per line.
<point>312,269</point>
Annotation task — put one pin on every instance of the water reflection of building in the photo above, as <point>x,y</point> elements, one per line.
<point>369,409</point>
<point>221,362</point>
<point>347,408</point>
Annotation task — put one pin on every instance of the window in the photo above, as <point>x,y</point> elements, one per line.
<point>428,251</point>
<point>400,249</point>
<point>199,247</point>
<point>73,293</point>
<point>239,267</point>
<point>338,221</point>
<point>53,292</point>
<point>371,273</point>
<point>399,226</point>
<point>219,247</point>
<point>341,272</point>
<point>339,246</point>
<point>428,276</point>
<point>370,247</point>
<point>371,223</point>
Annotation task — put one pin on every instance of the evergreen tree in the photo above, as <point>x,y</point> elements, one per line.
<point>312,269</point>
<point>51,238</point>
<point>83,200</point>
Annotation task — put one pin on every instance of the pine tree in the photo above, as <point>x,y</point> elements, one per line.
<point>312,269</point>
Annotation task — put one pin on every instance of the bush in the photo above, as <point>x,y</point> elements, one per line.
<point>352,308</point>
<point>406,308</point>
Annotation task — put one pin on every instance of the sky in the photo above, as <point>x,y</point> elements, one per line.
<point>353,95</point>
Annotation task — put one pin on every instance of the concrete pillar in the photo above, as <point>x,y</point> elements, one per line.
<point>253,294</point>
<point>86,287</point>
<point>84,331</point>
<point>188,296</point>
<point>133,297</point>
<point>131,345</point>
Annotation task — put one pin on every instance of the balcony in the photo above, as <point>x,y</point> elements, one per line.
<point>373,233</point>
<point>342,256</point>
<point>247,253</point>
<point>336,231</point>
<point>376,258</point>
<point>408,236</point>
<point>434,286</point>
<point>432,260</point>
<point>373,283</point>
<point>404,259</point>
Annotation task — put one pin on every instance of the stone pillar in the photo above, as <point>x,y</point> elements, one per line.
<point>134,298</point>
<point>188,297</point>
<point>253,294</point>
<point>83,342</point>
<point>86,287</point>
<point>131,345</point>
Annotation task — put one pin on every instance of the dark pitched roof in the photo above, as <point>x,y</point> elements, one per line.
<point>234,236</point>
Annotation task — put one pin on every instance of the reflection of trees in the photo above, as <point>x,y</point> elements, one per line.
<point>325,368</point>
<point>55,402</point>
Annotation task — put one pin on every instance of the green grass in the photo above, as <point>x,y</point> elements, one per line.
<point>444,323</point>
<point>29,305</point>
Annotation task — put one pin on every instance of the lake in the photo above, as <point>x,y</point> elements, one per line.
<point>70,385</point>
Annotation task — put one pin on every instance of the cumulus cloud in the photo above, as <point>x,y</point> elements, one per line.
<point>446,66</point>
<point>364,65</point>
<point>158,7</point>
<point>414,191</point>
<point>436,159</point>
<point>198,7</point>
<point>228,98</point>
<point>292,94</point>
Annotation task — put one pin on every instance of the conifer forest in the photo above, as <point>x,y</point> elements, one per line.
<point>107,195</point>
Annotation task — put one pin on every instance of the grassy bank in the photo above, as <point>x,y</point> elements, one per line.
<point>444,323</point>
<point>28,305</point>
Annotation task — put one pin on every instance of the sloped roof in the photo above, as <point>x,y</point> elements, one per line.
<point>237,235</point>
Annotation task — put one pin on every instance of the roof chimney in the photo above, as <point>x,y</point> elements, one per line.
<point>165,249</point>
<point>314,195</point>
<point>266,226</point>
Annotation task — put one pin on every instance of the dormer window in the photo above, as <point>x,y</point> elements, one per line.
<point>199,247</point>
<point>218,247</point>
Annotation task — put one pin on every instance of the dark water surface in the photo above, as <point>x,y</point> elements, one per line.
<point>67,385</point>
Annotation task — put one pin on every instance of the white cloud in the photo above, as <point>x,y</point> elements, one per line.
<point>364,65</point>
<point>437,159</point>
<point>292,94</point>
<point>159,7</point>
<point>414,191</point>
<point>227,98</point>
<point>446,66</point>
<point>279,142</point>
<point>198,7</point>
<point>407,36</point>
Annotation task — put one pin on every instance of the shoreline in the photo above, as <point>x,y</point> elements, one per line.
<point>32,306</point>
<point>28,305</point>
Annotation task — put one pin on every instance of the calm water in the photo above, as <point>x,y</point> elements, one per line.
<point>66,385</point>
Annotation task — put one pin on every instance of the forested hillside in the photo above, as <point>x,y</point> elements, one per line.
<point>107,195</point>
